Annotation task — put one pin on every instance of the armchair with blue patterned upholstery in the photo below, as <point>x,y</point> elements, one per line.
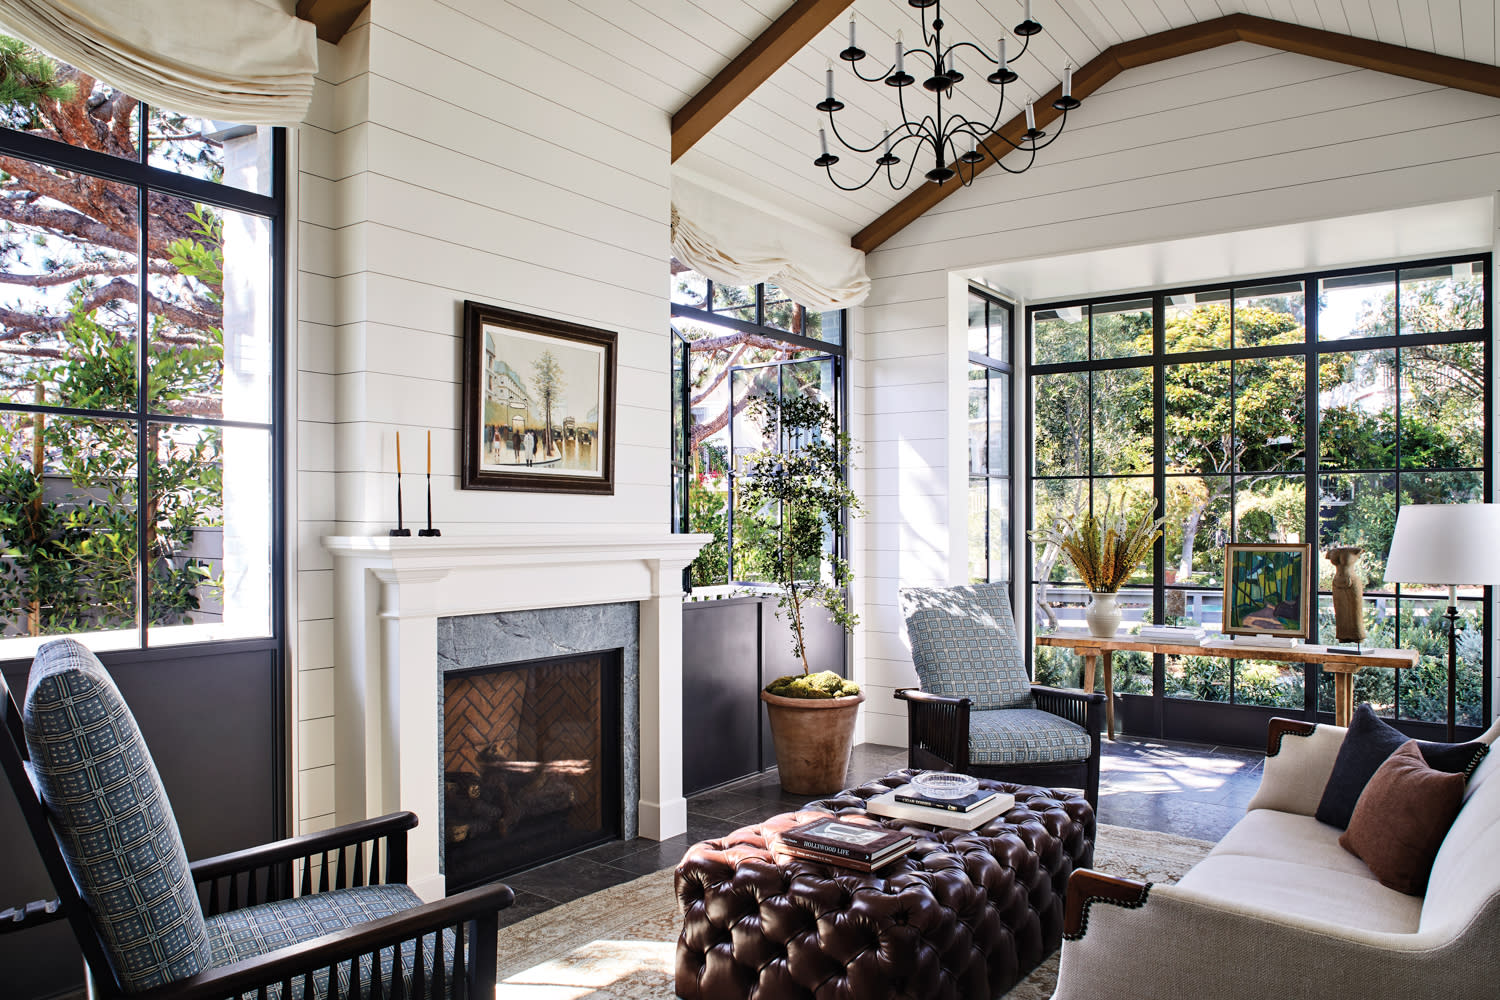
<point>319,916</point>
<point>977,711</point>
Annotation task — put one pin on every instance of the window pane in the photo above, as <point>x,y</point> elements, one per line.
<point>210,572</point>
<point>708,511</point>
<point>998,445</point>
<point>1197,417</point>
<point>210,312</point>
<point>68,261</point>
<point>999,521</point>
<point>754,541</point>
<point>1357,410</point>
<point>979,419</point>
<point>1442,298</point>
<point>1269,509</point>
<point>1134,496</point>
<point>1197,322</point>
<point>1000,332</point>
<point>1270,314</point>
<point>1357,510</point>
<point>1058,666</point>
<point>1442,406</point>
<point>53,100</point>
<point>1123,404</point>
<point>68,528</point>
<point>1052,500</point>
<point>1197,528</point>
<point>1060,423</point>
<point>1200,678</point>
<point>781,312</point>
<point>1424,689</point>
<point>1269,413</point>
<point>1132,672</point>
<point>1122,329</point>
<point>735,301</point>
<point>979,330</point>
<point>1357,305</point>
<point>1197,606</point>
<point>1268,683</point>
<point>1059,335</point>
<point>689,288</point>
<point>978,530</point>
<point>233,155</point>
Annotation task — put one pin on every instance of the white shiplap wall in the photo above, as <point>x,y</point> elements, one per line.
<point>1234,138</point>
<point>449,158</point>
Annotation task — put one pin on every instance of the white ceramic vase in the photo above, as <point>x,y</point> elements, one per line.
<point>1103,615</point>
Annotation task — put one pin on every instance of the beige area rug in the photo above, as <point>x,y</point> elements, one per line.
<point>619,944</point>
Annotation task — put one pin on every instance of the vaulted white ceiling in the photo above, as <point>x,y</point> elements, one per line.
<point>665,51</point>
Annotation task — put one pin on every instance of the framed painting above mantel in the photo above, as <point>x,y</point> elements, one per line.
<point>539,403</point>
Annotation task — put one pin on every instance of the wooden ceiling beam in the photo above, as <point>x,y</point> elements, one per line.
<point>1460,74</point>
<point>787,36</point>
<point>333,18</point>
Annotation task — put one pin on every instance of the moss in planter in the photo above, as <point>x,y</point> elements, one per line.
<point>825,684</point>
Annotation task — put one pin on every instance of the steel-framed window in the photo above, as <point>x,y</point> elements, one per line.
<point>991,463</point>
<point>158,189</point>
<point>1112,401</point>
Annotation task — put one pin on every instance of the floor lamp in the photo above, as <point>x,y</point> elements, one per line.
<point>1450,544</point>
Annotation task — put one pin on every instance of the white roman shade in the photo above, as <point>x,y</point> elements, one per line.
<point>736,244</point>
<point>232,60</point>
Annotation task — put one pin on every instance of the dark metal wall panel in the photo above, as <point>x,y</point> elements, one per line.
<point>213,724</point>
<point>720,671</point>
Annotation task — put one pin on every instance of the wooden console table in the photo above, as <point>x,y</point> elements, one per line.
<point>1343,666</point>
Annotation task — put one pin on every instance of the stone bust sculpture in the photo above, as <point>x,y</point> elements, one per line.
<point>1348,594</point>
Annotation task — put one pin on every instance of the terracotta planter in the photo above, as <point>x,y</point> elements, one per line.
<point>813,737</point>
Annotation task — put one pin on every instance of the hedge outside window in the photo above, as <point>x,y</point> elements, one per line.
<point>1305,408</point>
<point>138,346</point>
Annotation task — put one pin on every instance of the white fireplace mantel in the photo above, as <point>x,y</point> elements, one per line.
<point>389,594</point>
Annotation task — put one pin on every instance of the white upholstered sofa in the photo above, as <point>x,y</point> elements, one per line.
<point>1280,909</point>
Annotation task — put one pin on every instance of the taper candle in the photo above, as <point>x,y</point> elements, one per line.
<point>429,453</point>
<point>398,453</point>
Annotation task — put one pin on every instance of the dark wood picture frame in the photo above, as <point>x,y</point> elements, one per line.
<point>1308,599</point>
<point>534,477</point>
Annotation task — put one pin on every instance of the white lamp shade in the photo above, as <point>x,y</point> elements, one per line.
<point>1446,544</point>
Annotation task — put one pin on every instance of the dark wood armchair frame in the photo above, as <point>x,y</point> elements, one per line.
<point>938,738</point>
<point>371,852</point>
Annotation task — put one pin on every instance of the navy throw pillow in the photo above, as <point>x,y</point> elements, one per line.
<point>1367,745</point>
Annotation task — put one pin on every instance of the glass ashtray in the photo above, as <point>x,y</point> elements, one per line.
<point>944,784</point>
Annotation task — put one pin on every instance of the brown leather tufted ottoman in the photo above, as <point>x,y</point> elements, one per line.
<point>966,914</point>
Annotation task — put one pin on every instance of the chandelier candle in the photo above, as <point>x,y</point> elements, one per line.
<point>951,139</point>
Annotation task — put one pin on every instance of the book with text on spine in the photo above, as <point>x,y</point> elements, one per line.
<point>857,839</point>
<point>885,804</point>
<point>853,864</point>
<point>967,803</point>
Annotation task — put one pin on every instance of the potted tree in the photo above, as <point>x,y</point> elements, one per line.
<point>812,714</point>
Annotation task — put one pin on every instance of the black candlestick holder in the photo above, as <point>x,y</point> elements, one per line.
<point>429,531</point>
<point>400,530</point>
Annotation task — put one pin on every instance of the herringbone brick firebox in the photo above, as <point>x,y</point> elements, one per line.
<point>531,761</point>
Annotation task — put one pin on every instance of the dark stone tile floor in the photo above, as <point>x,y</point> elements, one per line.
<point>1188,789</point>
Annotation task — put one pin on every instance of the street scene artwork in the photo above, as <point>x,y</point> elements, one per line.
<point>539,400</point>
<point>1267,589</point>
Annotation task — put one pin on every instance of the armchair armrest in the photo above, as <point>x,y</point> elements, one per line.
<point>1081,707</point>
<point>1299,759</point>
<point>480,906</point>
<point>937,728</point>
<point>326,850</point>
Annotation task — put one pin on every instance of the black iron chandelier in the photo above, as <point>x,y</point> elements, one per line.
<point>955,139</point>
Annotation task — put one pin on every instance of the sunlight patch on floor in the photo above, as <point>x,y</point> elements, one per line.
<point>589,971</point>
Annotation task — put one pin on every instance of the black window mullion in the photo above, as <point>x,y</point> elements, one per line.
<point>1311,490</point>
<point>142,394</point>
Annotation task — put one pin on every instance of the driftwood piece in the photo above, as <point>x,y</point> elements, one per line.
<point>1348,594</point>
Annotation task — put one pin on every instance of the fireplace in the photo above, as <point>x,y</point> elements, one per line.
<point>531,763</point>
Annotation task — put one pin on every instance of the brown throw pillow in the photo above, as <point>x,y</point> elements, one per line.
<point>1401,819</point>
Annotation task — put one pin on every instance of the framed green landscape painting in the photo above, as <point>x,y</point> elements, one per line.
<point>1268,590</point>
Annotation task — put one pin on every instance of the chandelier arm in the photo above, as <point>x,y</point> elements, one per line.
<point>872,79</point>
<point>977,48</point>
<point>1001,164</point>
<point>922,20</point>
<point>1062,124</point>
<point>855,187</point>
<point>1024,46</point>
<point>911,165</point>
<point>849,145</point>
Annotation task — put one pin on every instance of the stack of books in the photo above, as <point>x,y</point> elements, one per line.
<point>967,813</point>
<point>1184,634</point>
<point>859,846</point>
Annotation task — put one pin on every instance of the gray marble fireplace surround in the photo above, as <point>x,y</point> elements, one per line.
<point>504,637</point>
